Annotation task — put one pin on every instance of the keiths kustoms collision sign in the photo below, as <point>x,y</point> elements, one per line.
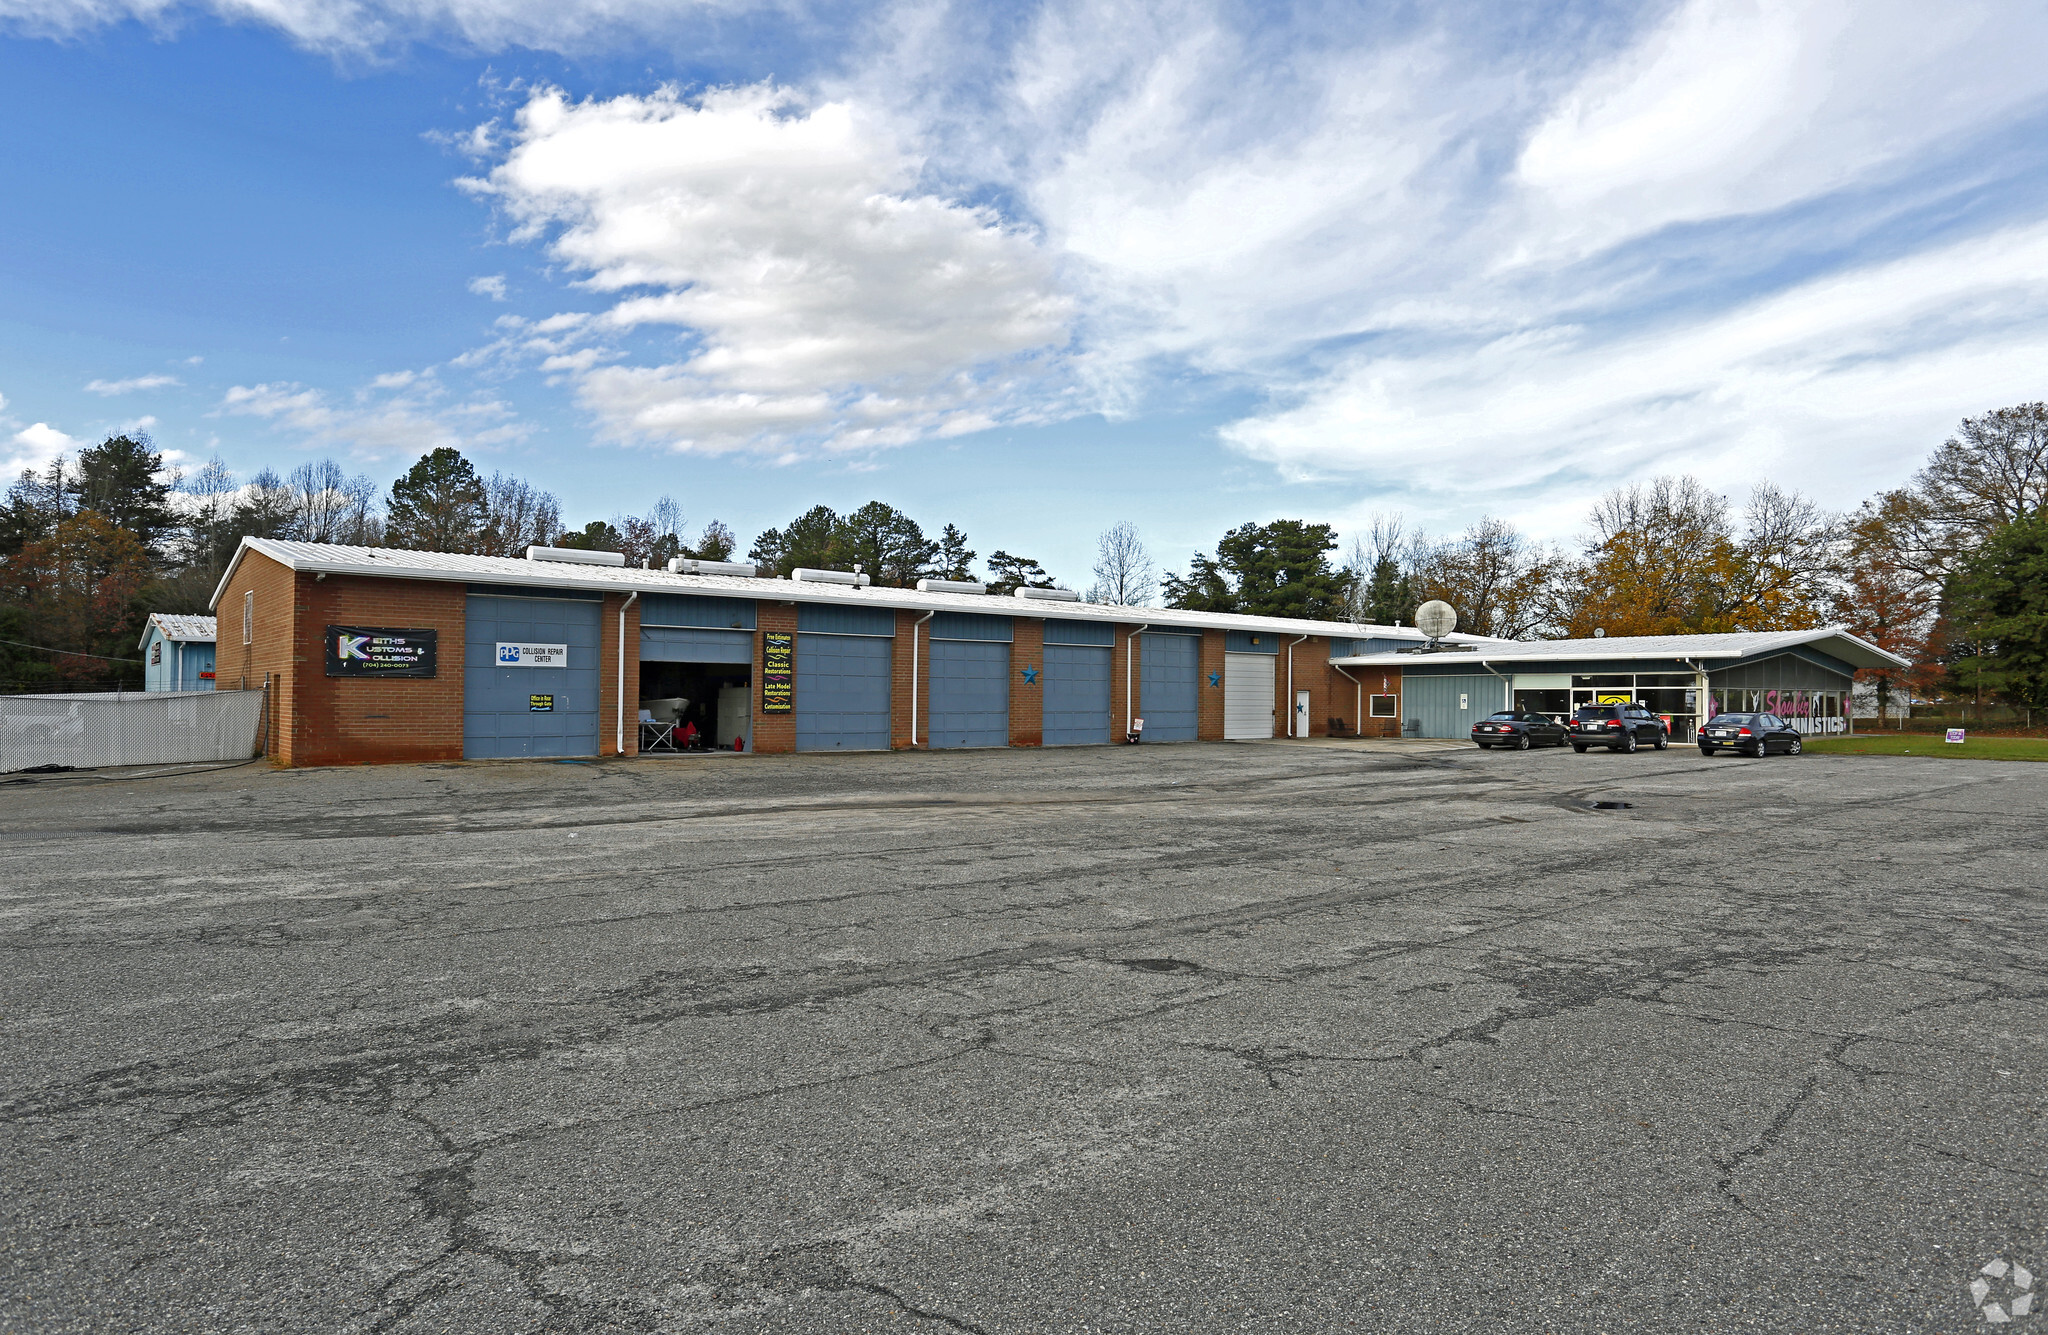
<point>379,651</point>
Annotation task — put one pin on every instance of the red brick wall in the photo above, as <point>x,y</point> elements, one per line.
<point>1376,681</point>
<point>1027,698</point>
<point>608,720</point>
<point>272,655</point>
<point>774,734</point>
<point>363,721</point>
<point>1208,698</point>
<point>909,636</point>
<point>1311,659</point>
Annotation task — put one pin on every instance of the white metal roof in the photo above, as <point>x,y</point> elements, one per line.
<point>1832,640</point>
<point>392,563</point>
<point>179,627</point>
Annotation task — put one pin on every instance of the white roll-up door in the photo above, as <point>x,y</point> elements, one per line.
<point>1248,696</point>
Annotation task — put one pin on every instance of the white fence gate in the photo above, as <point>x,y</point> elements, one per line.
<point>129,728</point>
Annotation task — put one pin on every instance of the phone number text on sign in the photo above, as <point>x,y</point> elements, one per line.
<point>533,655</point>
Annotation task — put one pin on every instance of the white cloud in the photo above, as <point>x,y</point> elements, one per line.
<point>1835,386</point>
<point>824,295</point>
<point>359,26</point>
<point>394,418</point>
<point>34,446</point>
<point>110,387</point>
<point>1739,106</point>
<point>492,287</point>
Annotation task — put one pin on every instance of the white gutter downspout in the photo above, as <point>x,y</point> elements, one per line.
<point>1507,688</point>
<point>631,598</point>
<point>913,673</point>
<point>1290,689</point>
<point>1130,670</point>
<point>179,674</point>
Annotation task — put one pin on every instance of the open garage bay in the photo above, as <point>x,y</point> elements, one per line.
<point>1276,1037</point>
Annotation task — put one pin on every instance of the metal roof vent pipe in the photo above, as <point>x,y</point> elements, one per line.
<point>575,556</point>
<point>810,576</point>
<point>950,586</point>
<point>1049,595</point>
<point>683,565</point>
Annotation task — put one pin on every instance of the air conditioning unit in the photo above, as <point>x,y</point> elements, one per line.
<point>1050,595</point>
<point>683,565</point>
<point>809,576</point>
<point>575,556</point>
<point>950,586</point>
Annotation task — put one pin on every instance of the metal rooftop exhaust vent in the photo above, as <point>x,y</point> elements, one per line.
<point>950,586</point>
<point>575,556</point>
<point>1050,595</point>
<point>683,565</point>
<point>809,576</point>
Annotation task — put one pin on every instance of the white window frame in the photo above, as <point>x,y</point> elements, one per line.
<point>249,616</point>
<point>1393,709</point>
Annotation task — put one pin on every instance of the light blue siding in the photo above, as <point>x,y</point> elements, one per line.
<point>970,693</point>
<point>1168,668</point>
<point>665,644</point>
<point>827,619</point>
<point>689,609</point>
<point>497,716</point>
<point>1076,681</point>
<point>179,664</point>
<point>842,692</point>
<point>970,626</point>
<point>1432,702</point>
<point>1079,632</point>
<point>1250,642</point>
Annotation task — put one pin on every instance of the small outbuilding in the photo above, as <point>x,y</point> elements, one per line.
<point>177,652</point>
<point>1804,676</point>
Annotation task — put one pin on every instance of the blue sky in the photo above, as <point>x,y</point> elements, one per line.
<point>1028,269</point>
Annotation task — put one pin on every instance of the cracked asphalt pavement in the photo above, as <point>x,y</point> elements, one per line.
<point>1275,1037</point>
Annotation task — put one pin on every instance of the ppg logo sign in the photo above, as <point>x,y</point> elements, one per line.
<point>533,655</point>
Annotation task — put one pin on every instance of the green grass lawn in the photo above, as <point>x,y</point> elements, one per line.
<point>1921,744</point>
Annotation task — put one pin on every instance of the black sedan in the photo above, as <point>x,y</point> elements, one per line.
<point>1751,734</point>
<point>1617,727</point>
<point>1519,729</point>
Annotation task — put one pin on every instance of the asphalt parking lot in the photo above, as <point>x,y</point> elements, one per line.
<point>1276,1037</point>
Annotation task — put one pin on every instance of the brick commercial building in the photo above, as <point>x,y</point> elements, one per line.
<point>374,655</point>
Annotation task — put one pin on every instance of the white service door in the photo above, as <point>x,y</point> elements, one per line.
<point>1248,696</point>
<point>1301,714</point>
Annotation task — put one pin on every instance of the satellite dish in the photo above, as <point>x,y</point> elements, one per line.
<point>1436,619</point>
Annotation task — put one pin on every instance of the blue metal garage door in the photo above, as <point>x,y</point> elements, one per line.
<point>1077,685</point>
<point>842,692</point>
<point>499,714</point>
<point>970,693</point>
<point>1166,691</point>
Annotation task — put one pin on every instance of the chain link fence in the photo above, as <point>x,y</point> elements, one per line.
<point>128,728</point>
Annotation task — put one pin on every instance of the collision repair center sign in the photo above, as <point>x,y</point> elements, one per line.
<point>532,655</point>
<point>379,651</point>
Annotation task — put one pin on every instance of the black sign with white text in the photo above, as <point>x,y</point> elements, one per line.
<point>379,651</point>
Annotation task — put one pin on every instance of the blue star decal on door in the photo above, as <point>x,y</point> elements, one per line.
<point>1215,678</point>
<point>1030,676</point>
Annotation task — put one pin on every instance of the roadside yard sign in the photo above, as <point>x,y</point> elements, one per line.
<point>1955,735</point>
